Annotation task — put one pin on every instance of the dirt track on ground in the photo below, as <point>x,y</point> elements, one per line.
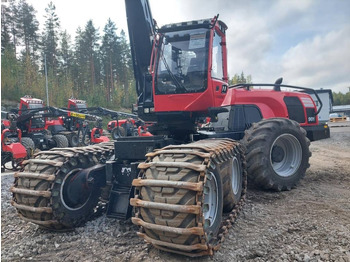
<point>309,223</point>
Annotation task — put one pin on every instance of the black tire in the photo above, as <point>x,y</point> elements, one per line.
<point>277,153</point>
<point>213,229</point>
<point>61,141</point>
<point>210,199</point>
<point>233,180</point>
<point>74,211</point>
<point>49,176</point>
<point>135,132</point>
<point>73,139</point>
<point>29,145</point>
<point>118,132</point>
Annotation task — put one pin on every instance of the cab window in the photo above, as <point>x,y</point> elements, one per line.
<point>216,69</point>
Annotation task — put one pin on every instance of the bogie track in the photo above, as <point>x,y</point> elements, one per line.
<point>181,192</point>
<point>38,190</point>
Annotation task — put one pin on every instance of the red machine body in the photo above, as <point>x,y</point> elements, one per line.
<point>113,123</point>
<point>17,150</point>
<point>272,103</point>
<point>181,77</point>
<point>214,92</point>
<point>36,124</point>
<point>97,137</point>
<point>76,104</point>
<point>11,148</point>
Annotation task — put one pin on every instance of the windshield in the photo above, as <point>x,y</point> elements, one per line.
<point>35,106</point>
<point>81,105</point>
<point>183,62</point>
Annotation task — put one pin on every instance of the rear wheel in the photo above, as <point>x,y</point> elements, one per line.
<point>73,139</point>
<point>29,145</point>
<point>233,182</point>
<point>179,196</point>
<point>61,141</point>
<point>212,205</point>
<point>118,132</point>
<point>53,191</point>
<point>277,153</point>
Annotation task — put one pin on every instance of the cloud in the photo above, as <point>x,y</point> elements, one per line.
<point>289,11</point>
<point>249,42</point>
<point>306,42</point>
<point>323,61</point>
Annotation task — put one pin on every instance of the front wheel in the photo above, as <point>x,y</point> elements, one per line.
<point>60,140</point>
<point>277,153</point>
<point>57,190</point>
<point>118,132</point>
<point>233,180</point>
<point>29,145</point>
<point>73,139</point>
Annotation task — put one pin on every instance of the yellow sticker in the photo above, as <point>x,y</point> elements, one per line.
<point>77,115</point>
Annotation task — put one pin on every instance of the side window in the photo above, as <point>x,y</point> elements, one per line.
<point>23,108</point>
<point>216,69</point>
<point>252,115</point>
<point>295,108</point>
<point>243,116</point>
<point>236,121</point>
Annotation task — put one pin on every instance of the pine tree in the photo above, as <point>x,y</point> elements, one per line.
<point>51,38</point>
<point>91,48</point>
<point>126,72</point>
<point>109,49</point>
<point>240,79</point>
<point>65,55</point>
<point>5,29</point>
<point>28,27</point>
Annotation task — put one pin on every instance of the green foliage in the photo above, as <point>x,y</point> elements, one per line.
<point>94,68</point>
<point>341,99</point>
<point>51,37</point>
<point>10,71</point>
<point>240,79</point>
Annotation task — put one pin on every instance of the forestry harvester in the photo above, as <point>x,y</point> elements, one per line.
<point>180,180</point>
<point>13,148</point>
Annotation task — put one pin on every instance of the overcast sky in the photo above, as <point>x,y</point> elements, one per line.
<point>307,42</point>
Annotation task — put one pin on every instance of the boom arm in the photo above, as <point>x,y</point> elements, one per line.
<point>141,28</point>
<point>101,111</point>
<point>54,112</point>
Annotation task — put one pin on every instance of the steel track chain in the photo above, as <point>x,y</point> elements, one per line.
<point>33,186</point>
<point>212,152</point>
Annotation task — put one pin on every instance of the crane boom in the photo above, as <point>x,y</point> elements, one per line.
<point>141,28</point>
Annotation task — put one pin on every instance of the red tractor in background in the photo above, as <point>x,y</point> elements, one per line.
<point>12,149</point>
<point>122,127</point>
<point>50,127</point>
<point>117,127</point>
<point>180,180</point>
<point>87,135</point>
<point>34,126</point>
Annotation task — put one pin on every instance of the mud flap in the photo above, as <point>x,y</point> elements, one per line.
<point>121,192</point>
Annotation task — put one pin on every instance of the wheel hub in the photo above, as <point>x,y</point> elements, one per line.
<point>286,155</point>
<point>277,154</point>
<point>210,207</point>
<point>236,175</point>
<point>76,189</point>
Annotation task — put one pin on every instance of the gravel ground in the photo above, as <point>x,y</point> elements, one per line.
<point>309,223</point>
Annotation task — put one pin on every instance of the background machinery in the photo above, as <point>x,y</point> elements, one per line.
<point>49,127</point>
<point>181,179</point>
<point>35,126</point>
<point>12,150</point>
<point>117,127</point>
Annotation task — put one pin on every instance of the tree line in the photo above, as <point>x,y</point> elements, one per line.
<point>341,99</point>
<point>94,67</point>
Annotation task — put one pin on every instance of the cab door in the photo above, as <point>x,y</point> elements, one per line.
<point>218,68</point>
